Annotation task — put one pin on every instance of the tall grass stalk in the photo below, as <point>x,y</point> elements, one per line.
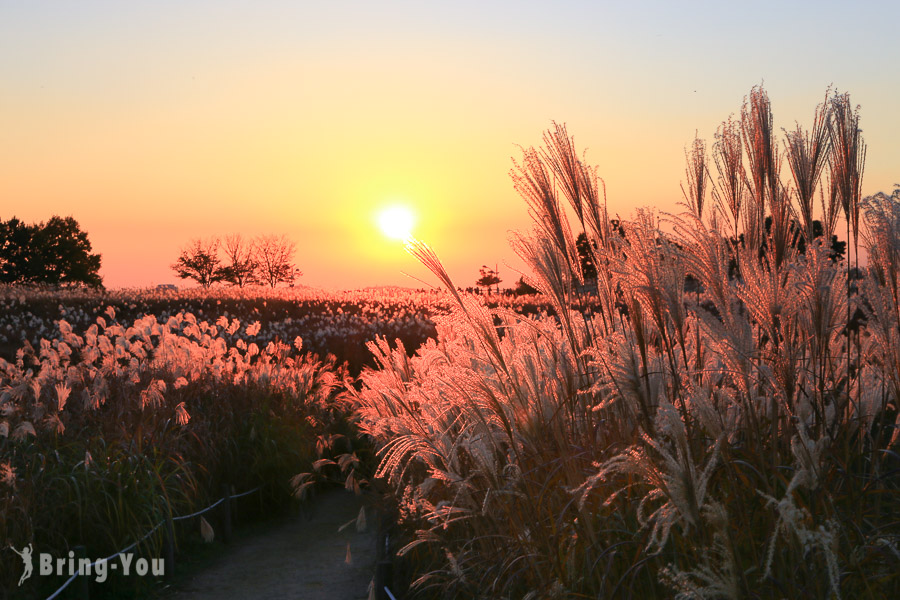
<point>708,443</point>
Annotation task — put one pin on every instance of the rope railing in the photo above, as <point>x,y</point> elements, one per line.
<point>200,512</point>
<point>90,567</point>
<point>247,493</point>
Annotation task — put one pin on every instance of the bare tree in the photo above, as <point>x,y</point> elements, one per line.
<point>240,268</point>
<point>199,260</point>
<point>274,257</point>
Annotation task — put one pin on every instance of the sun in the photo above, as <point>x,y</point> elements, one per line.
<point>396,222</point>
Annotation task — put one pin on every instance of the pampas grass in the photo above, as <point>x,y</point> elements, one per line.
<point>721,443</point>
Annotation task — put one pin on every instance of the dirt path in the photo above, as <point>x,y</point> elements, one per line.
<point>302,558</point>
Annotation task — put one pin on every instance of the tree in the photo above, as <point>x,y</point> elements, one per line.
<point>15,243</point>
<point>64,253</point>
<point>274,257</point>
<point>199,261</point>
<point>586,257</point>
<point>56,252</point>
<point>241,265</point>
<point>488,278</point>
<point>524,288</point>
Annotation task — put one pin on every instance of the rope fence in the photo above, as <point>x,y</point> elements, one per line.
<point>200,512</point>
<point>170,541</point>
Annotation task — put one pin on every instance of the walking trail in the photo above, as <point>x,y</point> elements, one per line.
<point>300,558</point>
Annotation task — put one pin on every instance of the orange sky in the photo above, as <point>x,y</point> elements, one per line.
<point>154,123</point>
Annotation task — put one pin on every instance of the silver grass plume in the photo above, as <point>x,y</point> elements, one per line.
<point>807,155</point>
<point>732,180</point>
<point>848,158</point>
<point>697,175</point>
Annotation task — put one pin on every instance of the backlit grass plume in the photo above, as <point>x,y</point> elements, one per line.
<point>701,428</point>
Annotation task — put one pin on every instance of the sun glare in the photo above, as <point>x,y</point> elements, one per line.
<point>396,222</point>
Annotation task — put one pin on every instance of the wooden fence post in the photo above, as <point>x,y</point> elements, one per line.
<point>169,547</point>
<point>83,580</point>
<point>384,569</point>
<point>226,513</point>
<point>383,578</point>
<point>234,507</point>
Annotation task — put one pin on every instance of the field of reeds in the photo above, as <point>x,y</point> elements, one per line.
<point>106,431</point>
<point>721,423</point>
<point>338,323</point>
<point>122,407</point>
<point>714,415</point>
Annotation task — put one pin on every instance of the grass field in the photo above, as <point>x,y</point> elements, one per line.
<point>711,413</point>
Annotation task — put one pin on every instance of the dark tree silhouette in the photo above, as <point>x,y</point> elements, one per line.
<point>586,257</point>
<point>15,244</point>
<point>56,252</point>
<point>523,288</point>
<point>488,278</point>
<point>199,261</point>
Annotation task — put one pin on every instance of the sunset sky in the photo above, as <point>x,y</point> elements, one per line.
<point>153,123</point>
